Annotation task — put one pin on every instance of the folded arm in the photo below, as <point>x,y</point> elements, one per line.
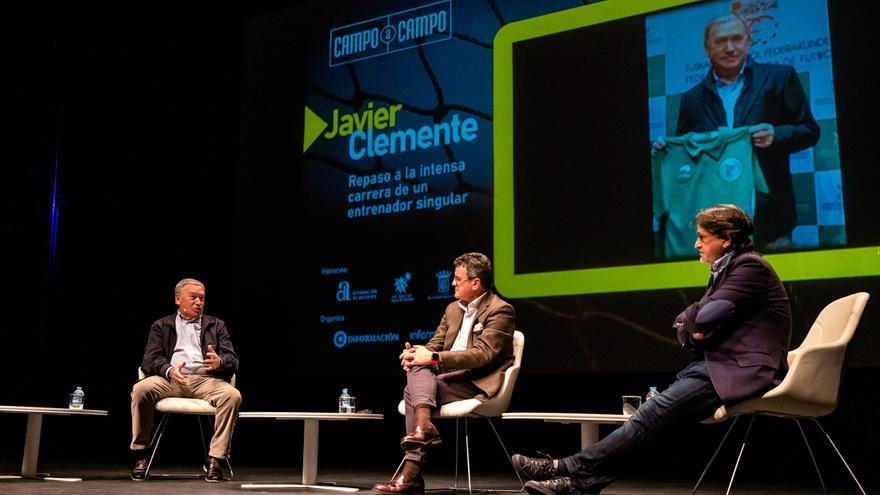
<point>741,290</point>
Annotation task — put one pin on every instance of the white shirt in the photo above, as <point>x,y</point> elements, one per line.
<point>464,333</point>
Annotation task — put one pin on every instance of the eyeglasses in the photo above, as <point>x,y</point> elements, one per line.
<point>456,280</point>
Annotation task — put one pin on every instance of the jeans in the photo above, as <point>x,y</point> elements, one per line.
<point>690,398</point>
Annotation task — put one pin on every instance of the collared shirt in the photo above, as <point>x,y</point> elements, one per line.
<point>189,346</point>
<point>464,333</point>
<point>719,265</point>
<point>729,93</point>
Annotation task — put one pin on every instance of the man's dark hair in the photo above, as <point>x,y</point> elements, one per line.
<point>728,222</point>
<point>477,266</point>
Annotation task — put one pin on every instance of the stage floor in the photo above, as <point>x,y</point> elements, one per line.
<point>114,480</point>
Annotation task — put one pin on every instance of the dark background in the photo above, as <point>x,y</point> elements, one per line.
<point>173,141</point>
<point>569,124</point>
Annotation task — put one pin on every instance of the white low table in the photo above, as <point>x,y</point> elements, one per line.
<point>310,445</point>
<point>589,422</point>
<point>32,438</point>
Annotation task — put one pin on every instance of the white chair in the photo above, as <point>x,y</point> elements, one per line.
<point>810,389</point>
<point>488,409</point>
<point>182,405</point>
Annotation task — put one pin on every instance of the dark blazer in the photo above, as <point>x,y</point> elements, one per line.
<point>489,351</point>
<point>746,351</point>
<point>163,338</point>
<point>771,94</point>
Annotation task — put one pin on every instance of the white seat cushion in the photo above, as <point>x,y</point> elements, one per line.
<point>458,408</point>
<point>180,405</point>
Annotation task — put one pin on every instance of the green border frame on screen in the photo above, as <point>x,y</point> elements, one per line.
<point>811,265</point>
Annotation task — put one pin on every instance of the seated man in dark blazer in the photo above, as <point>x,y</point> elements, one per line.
<point>465,359</point>
<point>188,354</point>
<point>739,334</point>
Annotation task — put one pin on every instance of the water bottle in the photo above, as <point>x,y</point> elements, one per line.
<point>346,402</point>
<point>652,392</point>
<point>77,398</point>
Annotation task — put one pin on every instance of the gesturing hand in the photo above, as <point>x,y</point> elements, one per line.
<point>212,360</point>
<point>177,377</point>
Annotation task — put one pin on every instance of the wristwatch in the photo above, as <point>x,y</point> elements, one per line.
<point>435,359</point>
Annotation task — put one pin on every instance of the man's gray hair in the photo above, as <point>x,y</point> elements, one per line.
<point>722,19</point>
<point>186,281</point>
<point>477,266</point>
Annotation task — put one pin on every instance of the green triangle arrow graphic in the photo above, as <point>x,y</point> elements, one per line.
<point>315,125</point>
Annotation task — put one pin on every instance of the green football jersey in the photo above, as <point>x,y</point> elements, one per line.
<point>698,170</point>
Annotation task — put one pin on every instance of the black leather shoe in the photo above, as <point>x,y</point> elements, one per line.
<point>556,486</point>
<point>213,471</point>
<point>139,471</point>
<point>532,468</point>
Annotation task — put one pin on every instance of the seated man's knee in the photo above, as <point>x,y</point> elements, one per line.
<point>141,389</point>
<point>234,395</point>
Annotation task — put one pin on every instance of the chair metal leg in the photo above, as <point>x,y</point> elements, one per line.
<point>231,472</point>
<point>739,456</point>
<point>812,457</point>
<point>827,437</point>
<point>467,455</point>
<point>398,468</point>
<point>806,443</point>
<point>712,459</point>
<point>522,485</point>
<point>455,485</point>
<point>202,437</point>
<point>154,442</point>
<point>157,439</point>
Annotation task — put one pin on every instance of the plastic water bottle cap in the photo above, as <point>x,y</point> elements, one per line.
<point>79,388</point>
<point>345,391</point>
<point>654,389</point>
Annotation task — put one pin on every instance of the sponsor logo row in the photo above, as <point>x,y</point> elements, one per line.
<point>400,287</point>
<point>343,338</point>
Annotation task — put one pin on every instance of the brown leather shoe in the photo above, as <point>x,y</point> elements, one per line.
<point>402,485</point>
<point>213,471</point>
<point>421,439</point>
